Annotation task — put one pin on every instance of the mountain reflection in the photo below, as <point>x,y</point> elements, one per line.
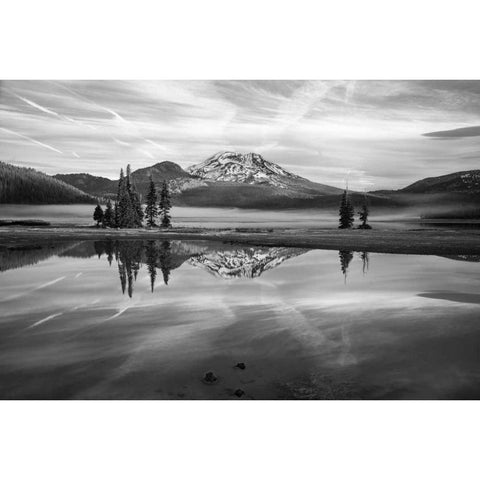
<point>163,256</point>
<point>249,262</point>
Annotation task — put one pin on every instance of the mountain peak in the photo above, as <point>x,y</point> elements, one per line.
<point>242,168</point>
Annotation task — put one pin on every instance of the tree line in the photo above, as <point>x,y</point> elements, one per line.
<point>127,210</point>
<point>26,185</point>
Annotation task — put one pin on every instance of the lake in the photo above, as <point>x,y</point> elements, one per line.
<point>148,320</point>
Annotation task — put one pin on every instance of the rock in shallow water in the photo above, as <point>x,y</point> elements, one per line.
<point>210,378</point>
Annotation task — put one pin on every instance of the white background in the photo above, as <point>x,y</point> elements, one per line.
<point>246,39</point>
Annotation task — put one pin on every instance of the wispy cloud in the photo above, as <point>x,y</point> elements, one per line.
<point>318,129</point>
<point>31,140</point>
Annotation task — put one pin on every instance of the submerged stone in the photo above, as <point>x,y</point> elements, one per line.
<point>210,378</point>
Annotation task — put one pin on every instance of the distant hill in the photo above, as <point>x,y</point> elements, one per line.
<point>454,196</point>
<point>465,182</point>
<point>26,185</point>
<point>178,179</point>
<point>97,186</point>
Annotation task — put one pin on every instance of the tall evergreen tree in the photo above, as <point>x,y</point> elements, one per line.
<point>127,217</point>
<point>165,206</point>
<point>346,212</point>
<point>98,215</point>
<point>116,216</point>
<point>363,215</point>
<point>151,210</point>
<point>108,216</point>
<point>137,207</point>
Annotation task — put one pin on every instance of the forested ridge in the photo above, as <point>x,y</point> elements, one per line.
<point>26,185</point>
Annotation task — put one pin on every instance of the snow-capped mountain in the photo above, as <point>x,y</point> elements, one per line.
<point>251,168</point>
<point>243,262</point>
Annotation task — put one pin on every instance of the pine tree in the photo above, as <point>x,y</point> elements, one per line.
<point>127,216</point>
<point>98,215</point>
<point>363,216</point>
<point>151,210</point>
<point>116,217</point>
<point>108,216</point>
<point>165,206</point>
<point>137,208</point>
<point>346,212</point>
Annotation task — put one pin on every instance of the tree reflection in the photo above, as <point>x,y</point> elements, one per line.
<point>346,257</point>
<point>152,254</point>
<point>365,261</point>
<point>129,258</point>
<point>165,260</point>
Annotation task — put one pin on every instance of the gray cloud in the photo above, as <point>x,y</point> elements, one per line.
<point>456,133</point>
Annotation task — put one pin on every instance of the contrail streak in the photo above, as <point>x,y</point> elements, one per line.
<point>46,319</point>
<point>44,145</point>
<point>59,279</point>
<point>37,106</point>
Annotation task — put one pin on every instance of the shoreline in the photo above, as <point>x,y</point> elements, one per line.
<point>419,242</point>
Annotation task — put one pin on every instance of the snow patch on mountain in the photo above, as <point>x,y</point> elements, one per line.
<point>244,168</point>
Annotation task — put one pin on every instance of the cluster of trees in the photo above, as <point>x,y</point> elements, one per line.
<point>346,213</point>
<point>127,211</point>
<point>26,185</point>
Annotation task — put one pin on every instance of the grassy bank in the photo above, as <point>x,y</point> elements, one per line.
<point>421,241</point>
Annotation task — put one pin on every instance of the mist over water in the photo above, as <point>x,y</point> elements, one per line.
<point>147,319</point>
<point>82,214</point>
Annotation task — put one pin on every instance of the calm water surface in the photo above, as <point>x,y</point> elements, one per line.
<point>148,319</point>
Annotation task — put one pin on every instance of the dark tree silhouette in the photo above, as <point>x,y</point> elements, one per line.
<point>129,210</point>
<point>98,215</point>
<point>346,212</point>
<point>165,206</point>
<point>151,210</point>
<point>363,215</point>
<point>116,215</point>
<point>108,216</point>
<point>346,257</point>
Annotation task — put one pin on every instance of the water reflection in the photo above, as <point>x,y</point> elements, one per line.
<point>161,257</point>
<point>158,256</point>
<point>409,330</point>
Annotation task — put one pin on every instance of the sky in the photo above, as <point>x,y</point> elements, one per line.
<point>376,134</point>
